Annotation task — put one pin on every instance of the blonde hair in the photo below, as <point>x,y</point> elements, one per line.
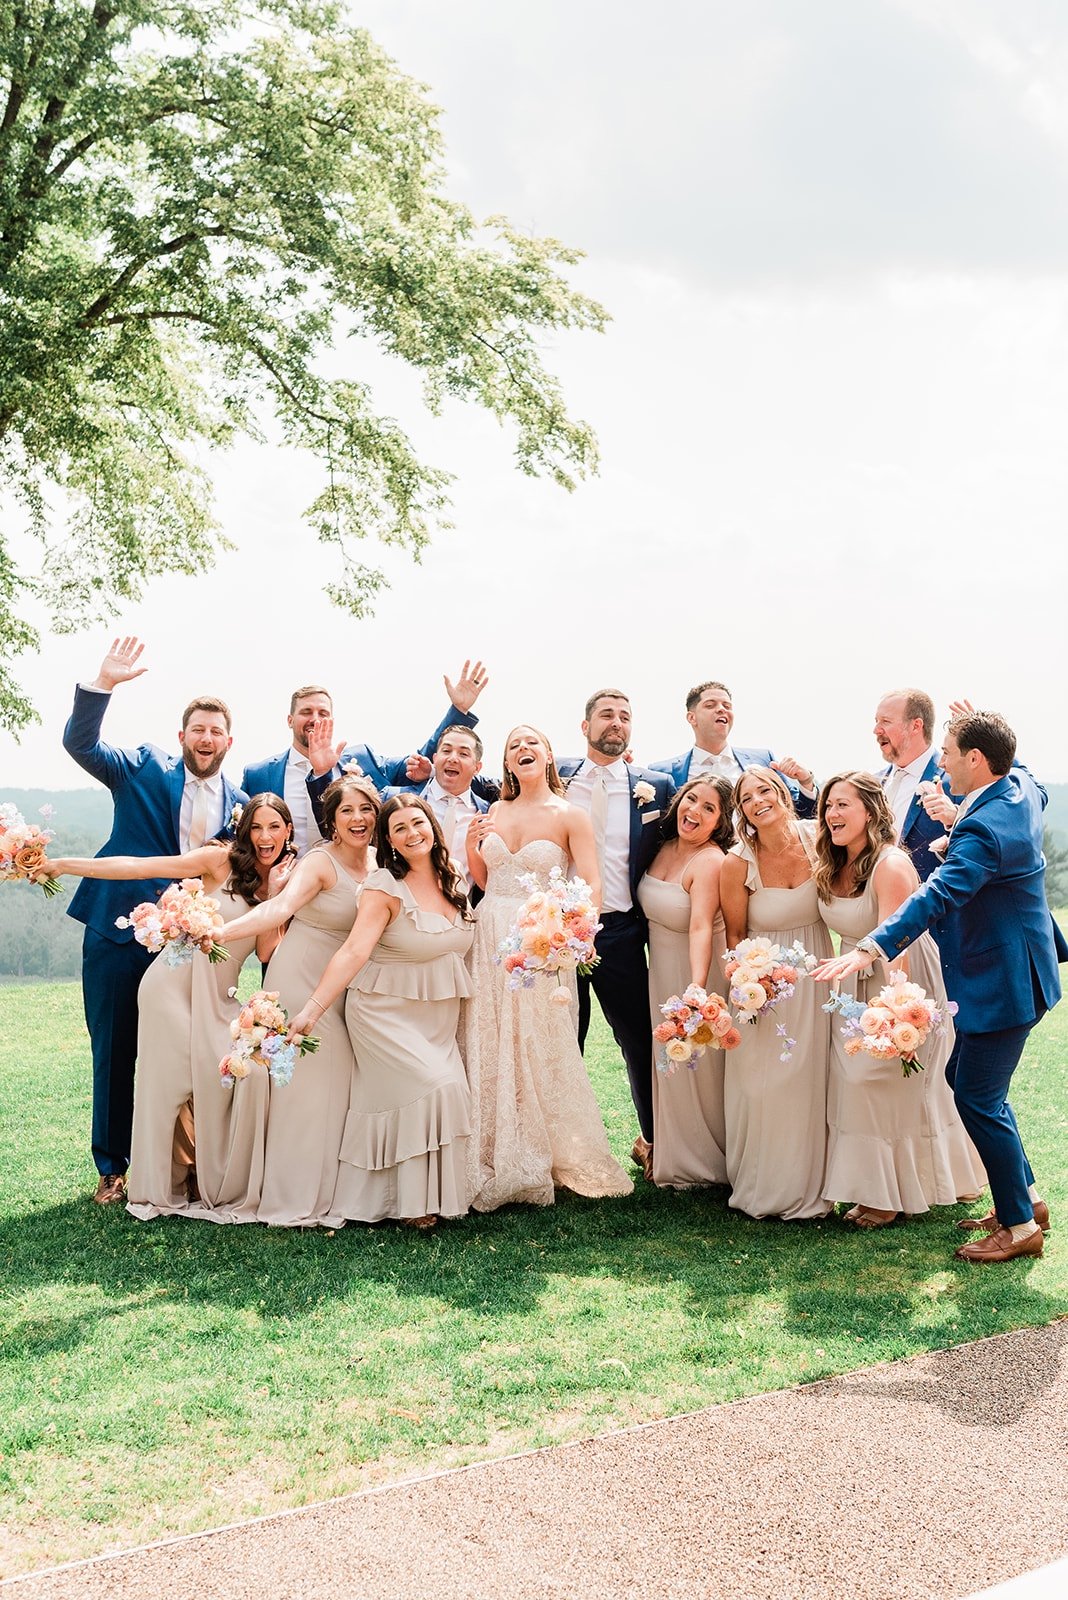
<point>745,829</point>
<point>509,781</point>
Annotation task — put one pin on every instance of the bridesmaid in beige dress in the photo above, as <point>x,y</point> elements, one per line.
<point>776,1110</point>
<point>680,897</point>
<point>184,1115</point>
<point>404,1150</point>
<point>307,1115</point>
<point>896,1144</point>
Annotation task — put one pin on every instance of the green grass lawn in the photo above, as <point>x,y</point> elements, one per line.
<point>168,1376</point>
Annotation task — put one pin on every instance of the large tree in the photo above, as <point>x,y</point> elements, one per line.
<point>197,198</point>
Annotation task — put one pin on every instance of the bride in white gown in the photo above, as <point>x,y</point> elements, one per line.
<point>536,1125</point>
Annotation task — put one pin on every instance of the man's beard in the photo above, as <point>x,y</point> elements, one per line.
<point>209,772</point>
<point>609,747</point>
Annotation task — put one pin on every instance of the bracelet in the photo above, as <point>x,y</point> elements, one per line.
<point>319,1003</point>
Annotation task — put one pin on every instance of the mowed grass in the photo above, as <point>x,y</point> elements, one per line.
<point>163,1377</point>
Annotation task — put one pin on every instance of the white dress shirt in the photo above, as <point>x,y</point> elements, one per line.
<point>305,830</point>
<point>615,890</point>
<point>214,788</point>
<point>900,786</point>
<point>438,799</point>
<point>970,799</point>
<point>703,764</point>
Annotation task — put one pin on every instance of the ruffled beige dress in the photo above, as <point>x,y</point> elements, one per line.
<point>537,1123</point>
<point>895,1143</point>
<point>307,1115</point>
<point>689,1127</point>
<point>183,1032</point>
<point>776,1110</point>
<point>404,1149</point>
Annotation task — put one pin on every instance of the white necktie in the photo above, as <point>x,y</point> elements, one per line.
<point>198,819</point>
<point>448,823</point>
<point>599,812</point>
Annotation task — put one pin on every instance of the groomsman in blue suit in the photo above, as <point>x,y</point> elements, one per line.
<point>456,763</point>
<point>904,730</point>
<point>164,805</point>
<point>986,903</point>
<point>710,713</point>
<point>626,803</point>
<point>314,760</point>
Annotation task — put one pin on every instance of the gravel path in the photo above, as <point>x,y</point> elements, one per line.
<point>934,1477</point>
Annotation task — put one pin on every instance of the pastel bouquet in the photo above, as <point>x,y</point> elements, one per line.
<point>554,932</point>
<point>183,920</point>
<point>693,1022</point>
<point>24,846</point>
<point>259,1034</point>
<point>893,1026</point>
<point>761,974</point>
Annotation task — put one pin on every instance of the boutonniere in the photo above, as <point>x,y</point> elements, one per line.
<point>235,816</point>
<point>643,793</point>
<point>938,847</point>
<point>352,769</point>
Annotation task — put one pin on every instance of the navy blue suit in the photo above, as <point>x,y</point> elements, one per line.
<point>919,830</point>
<point>385,772</point>
<point>621,979</point>
<point>678,769</point>
<point>146,785</point>
<point>986,905</point>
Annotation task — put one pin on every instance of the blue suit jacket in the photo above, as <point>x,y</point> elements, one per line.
<point>919,830</point>
<point>645,836</point>
<point>385,772</point>
<point>759,756</point>
<point>986,905</point>
<point>146,785</point>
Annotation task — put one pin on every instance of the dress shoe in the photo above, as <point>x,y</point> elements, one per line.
<point>111,1190</point>
<point>1001,1246</point>
<point>989,1223</point>
<point>642,1156</point>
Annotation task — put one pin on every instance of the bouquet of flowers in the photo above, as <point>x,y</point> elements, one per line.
<point>259,1034</point>
<point>761,974</point>
<point>23,846</point>
<point>554,932</point>
<point>691,1024</point>
<point>184,919</point>
<point>894,1025</point>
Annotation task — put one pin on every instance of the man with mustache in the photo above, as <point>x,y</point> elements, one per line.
<point>164,806</point>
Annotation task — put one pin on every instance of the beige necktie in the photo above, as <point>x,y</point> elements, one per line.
<point>198,819</point>
<point>448,823</point>
<point>599,812</point>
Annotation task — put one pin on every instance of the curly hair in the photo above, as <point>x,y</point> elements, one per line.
<point>245,877</point>
<point>723,834</point>
<point>882,830</point>
<point>450,882</point>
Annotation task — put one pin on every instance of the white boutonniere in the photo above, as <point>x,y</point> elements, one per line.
<point>352,769</point>
<point>235,816</point>
<point>643,793</point>
<point>938,847</point>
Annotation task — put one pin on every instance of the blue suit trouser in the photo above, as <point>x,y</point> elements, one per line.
<point>621,983</point>
<point>979,1072</point>
<point>111,975</point>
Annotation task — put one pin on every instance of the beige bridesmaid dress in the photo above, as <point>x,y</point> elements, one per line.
<point>404,1149</point>
<point>689,1129</point>
<point>776,1110</point>
<point>183,1032</point>
<point>307,1115</point>
<point>895,1143</point>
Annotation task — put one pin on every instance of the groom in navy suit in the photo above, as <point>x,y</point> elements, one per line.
<point>164,805</point>
<point>986,904</point>
<point>625,803</point>
<point>710,713</point>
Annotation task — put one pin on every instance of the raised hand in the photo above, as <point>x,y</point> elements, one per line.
<point>803,776</point>
<point>279,875</point>
<point>468,686</point>
<point>419,768</point>
<point>323,753</point>
<point>937,804</point>
<point>960,708</point>
<point>120,664</point>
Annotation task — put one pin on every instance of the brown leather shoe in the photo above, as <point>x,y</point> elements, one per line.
<point>642,1156</point>
<point>1001,1246</point>
<point>111,1190</point>
<point>989,1223</point>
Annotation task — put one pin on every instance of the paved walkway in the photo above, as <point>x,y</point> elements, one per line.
<point>935,1477</point>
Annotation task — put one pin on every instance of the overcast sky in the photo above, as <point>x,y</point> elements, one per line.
<point>832,403</point>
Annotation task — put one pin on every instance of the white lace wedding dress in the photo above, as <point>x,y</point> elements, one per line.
<point>535,1122</point>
